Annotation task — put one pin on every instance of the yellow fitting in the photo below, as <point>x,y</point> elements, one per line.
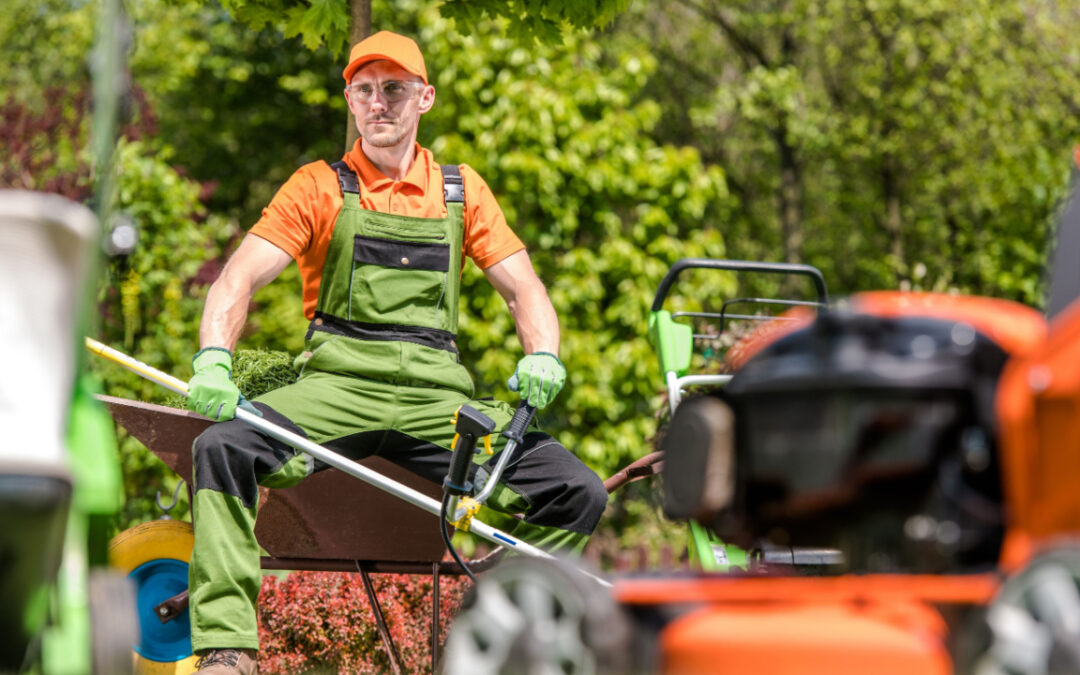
<point>453,422</point>
<point>487,445</point>
<point>471,507</point>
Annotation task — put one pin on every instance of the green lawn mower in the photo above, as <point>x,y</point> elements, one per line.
<point>61,610</point>
<point>697,349</point>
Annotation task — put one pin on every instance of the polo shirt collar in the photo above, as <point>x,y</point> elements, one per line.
<point>375,180</point>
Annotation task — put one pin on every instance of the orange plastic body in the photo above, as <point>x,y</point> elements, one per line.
<point>797,625</point>
<point>807,640</point>
<point>959,589</point>
<point>1038,410</point>
<point>1016,328</point>
<point>886,624</point>
<point>880,624</point>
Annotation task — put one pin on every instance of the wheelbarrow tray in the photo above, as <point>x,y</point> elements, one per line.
<point>328,516</point>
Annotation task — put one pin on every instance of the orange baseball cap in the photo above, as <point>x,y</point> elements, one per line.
<point>387,46</point>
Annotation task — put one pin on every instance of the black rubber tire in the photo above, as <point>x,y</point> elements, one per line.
<point>538,616</point>
<point>1032,626</point>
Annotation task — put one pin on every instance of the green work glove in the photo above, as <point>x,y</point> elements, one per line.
<point>211,391</point>
<point>539,377</point>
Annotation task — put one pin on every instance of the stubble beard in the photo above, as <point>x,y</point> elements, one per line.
<point>388,138</point>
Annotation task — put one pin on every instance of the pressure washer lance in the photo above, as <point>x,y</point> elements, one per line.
<point>471,426</point>
<point>302,443</point>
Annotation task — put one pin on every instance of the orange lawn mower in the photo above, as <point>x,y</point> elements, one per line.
<point>931,440</point>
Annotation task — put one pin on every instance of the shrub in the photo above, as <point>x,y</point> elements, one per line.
<point>321,622</point>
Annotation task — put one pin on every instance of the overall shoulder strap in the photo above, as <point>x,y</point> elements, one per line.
<point>453,184</point>
<point>347,177</point>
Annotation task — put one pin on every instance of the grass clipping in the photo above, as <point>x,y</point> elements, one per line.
<point>255,372</point>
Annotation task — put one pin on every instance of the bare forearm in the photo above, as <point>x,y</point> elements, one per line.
<point>536,321</point>
<point>225,313</point>
<point>525,295</point>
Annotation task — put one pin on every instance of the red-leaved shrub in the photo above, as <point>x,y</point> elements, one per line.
<point>321,622</point>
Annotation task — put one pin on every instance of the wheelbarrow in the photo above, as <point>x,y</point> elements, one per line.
<point>320,524</point>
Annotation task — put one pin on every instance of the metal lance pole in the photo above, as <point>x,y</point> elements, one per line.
<point>374,478</point>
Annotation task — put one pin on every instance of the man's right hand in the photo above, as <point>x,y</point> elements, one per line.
<point>211,391</point>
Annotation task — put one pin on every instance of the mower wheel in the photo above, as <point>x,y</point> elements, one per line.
<point>114,627</point>
<point>1034,622</point>
<point>155,556</point>
<point>538,616</point>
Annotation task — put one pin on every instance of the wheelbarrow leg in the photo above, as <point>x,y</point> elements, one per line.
<point>434,616</point>
<point>380,622</point>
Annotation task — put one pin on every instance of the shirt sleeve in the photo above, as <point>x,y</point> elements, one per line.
<point>488,239</point>
<point>289,220</point>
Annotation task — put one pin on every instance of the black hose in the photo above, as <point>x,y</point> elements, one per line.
<point>446,537</point>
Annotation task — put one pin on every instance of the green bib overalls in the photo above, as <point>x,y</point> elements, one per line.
<point>388,301</point>
<point>379,375</point>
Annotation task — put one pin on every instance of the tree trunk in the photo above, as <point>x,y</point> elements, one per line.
<point>359,28</point>
<point>790,198</point>
<point>791,188</point>
<point>894,225</point>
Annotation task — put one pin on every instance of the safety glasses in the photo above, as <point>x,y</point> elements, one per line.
<point>392,91</point>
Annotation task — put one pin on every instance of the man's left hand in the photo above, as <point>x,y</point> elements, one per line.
<point>539,377</point>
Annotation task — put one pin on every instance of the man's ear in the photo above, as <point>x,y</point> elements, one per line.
<point>427,99</point>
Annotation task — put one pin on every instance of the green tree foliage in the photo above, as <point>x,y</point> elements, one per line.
<point>920,144</point>
<point>320,23</point>
<point>528,20</point>
<point>152,298</point>
<point>894,143</point>
<point>249,100</point>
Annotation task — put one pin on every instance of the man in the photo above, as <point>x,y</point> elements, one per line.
<point>380,239</point>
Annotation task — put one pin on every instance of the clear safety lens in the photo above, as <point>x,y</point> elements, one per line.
<point>393,91</point>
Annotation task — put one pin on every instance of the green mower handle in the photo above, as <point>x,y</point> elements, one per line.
<point>739,266</point>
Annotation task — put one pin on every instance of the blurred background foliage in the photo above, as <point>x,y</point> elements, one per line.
<point>918,144</point>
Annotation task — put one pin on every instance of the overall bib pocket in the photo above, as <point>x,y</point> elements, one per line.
<point>418,232</point>
<point>396,281</point>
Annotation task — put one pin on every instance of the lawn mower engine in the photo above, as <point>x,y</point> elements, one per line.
<point>869,434</point>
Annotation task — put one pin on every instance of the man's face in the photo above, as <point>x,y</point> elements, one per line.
<point>381,121</point>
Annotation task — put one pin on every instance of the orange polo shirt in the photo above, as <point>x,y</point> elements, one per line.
<point>300,218</point>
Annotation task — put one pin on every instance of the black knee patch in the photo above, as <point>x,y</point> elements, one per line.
<point>229,456</point>
<point>594,499</point>
<point>564,493</point>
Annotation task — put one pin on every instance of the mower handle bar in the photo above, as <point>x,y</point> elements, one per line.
<point>799,269</point>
